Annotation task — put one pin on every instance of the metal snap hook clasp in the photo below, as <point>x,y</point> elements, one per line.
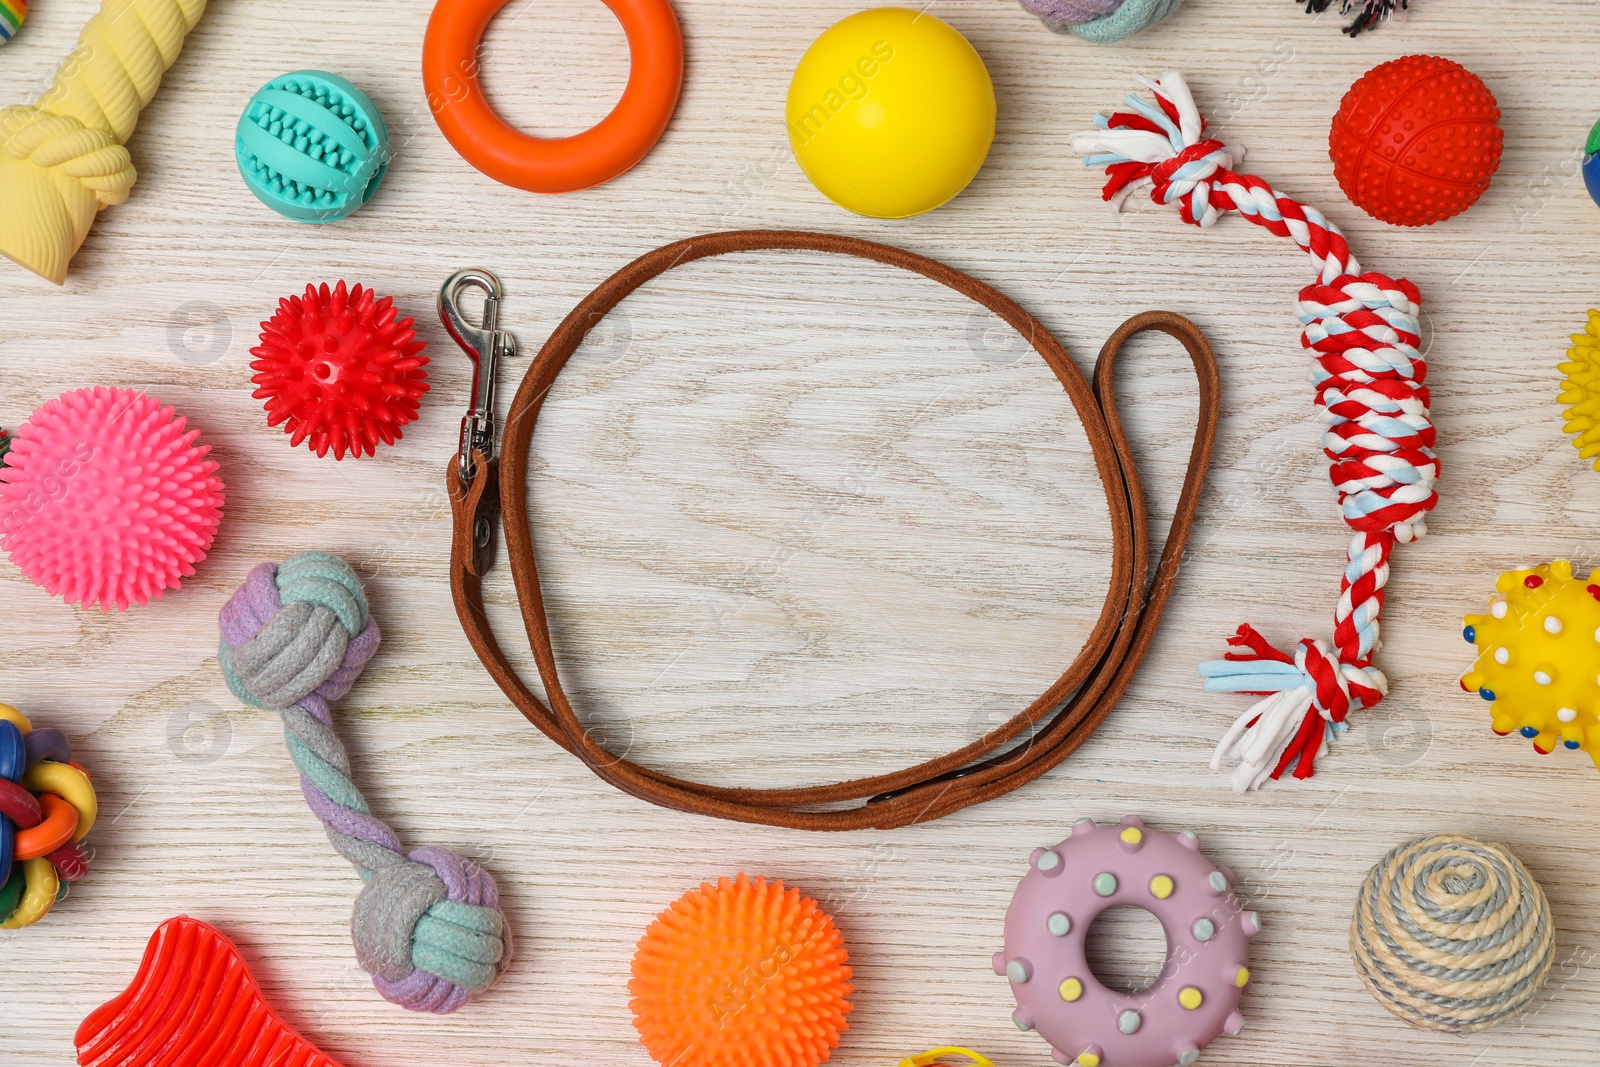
<point>485,344</point>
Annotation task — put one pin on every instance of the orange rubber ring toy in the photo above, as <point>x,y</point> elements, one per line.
<point>60,822</point>
<point>552,164</point>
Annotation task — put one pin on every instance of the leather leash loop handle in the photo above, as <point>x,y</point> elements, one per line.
<point>1056,723</point>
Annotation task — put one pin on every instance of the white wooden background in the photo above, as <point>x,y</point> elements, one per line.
<point>707,625</point>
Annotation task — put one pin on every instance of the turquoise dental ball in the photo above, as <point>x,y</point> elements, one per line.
<point>311,146</point>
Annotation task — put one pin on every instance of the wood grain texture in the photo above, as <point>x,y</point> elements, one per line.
<point>802,519</point>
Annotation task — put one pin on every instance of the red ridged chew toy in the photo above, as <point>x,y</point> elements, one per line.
<point>193,1003</point>
<point>741,974</point>
<point>338,369</point>
<point>106,499</point>
<point>1416,140</point>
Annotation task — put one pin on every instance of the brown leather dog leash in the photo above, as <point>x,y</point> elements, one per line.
<point>483,489</point>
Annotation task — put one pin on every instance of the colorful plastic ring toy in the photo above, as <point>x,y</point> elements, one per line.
<point>11,892</point>
<point>19,805</point>
<point>12,754</point>
<point>47,744</point>
<point>15,718</point>
<point>69,782</point>
<point>60,823</point>
<point>552,164</point>
<point>39,896</point>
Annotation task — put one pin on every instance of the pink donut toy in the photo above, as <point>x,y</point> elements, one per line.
<point>1194,1000</point>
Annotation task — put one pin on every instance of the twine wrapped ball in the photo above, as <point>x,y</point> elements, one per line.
<point>427,925</point>
<point>1452,934</point>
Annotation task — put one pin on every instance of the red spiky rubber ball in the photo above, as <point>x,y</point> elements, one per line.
<point>106,499</point>
<point>339,370</point>
<point>740,974</point>
<point>1416,140</point>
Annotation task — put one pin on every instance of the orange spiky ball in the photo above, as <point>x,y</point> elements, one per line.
<point>741,974</point>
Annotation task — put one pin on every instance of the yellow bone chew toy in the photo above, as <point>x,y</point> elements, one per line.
<point>1539,657</point>
<point>61,157</point>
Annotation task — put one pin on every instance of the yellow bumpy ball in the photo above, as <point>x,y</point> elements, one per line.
<point>1580,390</point>
<point>891,112</point>
<point>1539,657</point>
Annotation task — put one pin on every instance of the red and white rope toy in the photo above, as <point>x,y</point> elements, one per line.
<point>1362,329</point>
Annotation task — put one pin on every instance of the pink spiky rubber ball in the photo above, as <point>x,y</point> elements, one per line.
<point>106,499</point>
<point>339,370</point>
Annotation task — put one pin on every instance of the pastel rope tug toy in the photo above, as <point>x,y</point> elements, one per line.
<point>47,806</point>
<point>1452,934</point>
<point>1101,21</point>
<point>62,157</point>
<point>1362,330</point>
<point>1105,21</point>
<point>427,925</point>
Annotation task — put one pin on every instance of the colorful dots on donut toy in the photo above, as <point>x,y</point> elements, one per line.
<point>1452,934</point>
<point>1193,1001</point>
<point>741,973</point>
<point>1416,140</point>
<point>311,146</point>
<point>12,12</point>
<point>106,498</point>
<point>891,112</point>
<point>1538,657</point>
<point>47,806</point>
<point>339,370</point>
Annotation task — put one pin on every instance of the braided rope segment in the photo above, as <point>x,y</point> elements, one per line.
<point>61,158</point>
<point>427,925</point>
<point>1452,934</point>
<point>1362,330</point>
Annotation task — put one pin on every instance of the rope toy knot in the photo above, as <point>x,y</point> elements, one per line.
<point>427,925</point>
<point>296,629</point>
<point>1186,179</point>
<point>1101,21</point>
<point>55,174</point>
<point>1162,145</point>
<point>429,930</point>
<point>1308,696</point>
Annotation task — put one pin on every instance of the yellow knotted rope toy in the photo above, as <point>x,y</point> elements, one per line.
<point>61,157</point>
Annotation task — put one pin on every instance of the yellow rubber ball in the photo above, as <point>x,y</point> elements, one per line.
<point>891,112</point>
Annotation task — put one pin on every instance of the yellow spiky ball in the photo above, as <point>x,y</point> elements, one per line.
<point>1539,657</point>
<point>1580,390</point>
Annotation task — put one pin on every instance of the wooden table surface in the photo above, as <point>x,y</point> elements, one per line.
<point>803,519</point>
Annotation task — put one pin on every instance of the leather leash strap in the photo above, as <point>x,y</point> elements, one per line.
<point>1062,717</point>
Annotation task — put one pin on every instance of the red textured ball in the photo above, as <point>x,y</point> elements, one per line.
<point>339,370</point>
<point>1416,140</point>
